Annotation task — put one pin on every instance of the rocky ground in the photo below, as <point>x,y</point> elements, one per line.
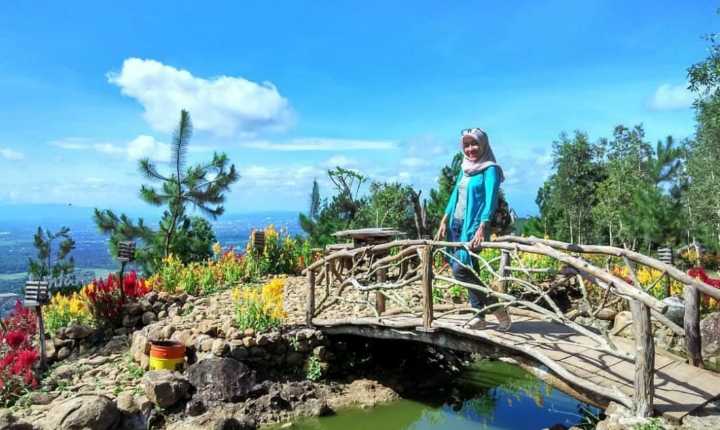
<point>234,379</point>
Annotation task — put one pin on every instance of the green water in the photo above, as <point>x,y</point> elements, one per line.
<point>490,395</point>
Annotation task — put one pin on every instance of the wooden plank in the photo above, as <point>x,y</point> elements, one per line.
<point>427,279</point>
<point>644,359</point>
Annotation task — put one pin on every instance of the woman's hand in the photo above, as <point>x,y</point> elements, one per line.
<point>442,229</point>
<point>478,237</point>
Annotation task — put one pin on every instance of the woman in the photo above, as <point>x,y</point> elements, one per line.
<point>468,213</point>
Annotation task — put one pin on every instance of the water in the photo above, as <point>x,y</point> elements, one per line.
<point>492,395</point>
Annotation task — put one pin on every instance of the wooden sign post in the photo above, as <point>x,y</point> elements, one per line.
<point>36,295</point>
<point>126,254</point>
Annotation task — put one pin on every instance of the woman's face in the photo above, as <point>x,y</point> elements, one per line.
<point>471,148</point>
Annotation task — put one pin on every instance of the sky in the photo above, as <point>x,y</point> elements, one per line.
<point>288,89</point>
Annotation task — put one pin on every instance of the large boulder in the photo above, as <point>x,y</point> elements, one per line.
<point>221,379</point>
<point>675,309</point>
<point>165,388</point>
<point>710,335</point>
<point>79,331</point>
<point>84,411</point>
<point>10,422</point>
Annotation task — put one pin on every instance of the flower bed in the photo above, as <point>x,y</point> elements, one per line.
<point>17,354</point>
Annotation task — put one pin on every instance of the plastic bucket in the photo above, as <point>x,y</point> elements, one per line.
<point>167,355</point>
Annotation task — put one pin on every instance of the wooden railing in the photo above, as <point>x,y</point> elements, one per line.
<point>349,277</point>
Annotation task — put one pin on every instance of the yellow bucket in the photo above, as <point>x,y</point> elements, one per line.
<point>166,363</point>
<point>167,355</point>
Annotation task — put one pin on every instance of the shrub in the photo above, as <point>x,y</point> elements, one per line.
<point>259,308</point>
<point>17,355</point>
<point>281,254</point>
<point>105,301</point>
<point>66,309</point>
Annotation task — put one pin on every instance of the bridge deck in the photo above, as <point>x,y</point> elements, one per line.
<point>679,387</point>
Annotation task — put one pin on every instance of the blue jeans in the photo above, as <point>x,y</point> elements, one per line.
<point>478,299</point>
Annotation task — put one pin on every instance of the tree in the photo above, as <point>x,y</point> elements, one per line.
<point>566,198</point>
<point>703,168</point>
<point>314,211</point>
<point>44,265</point>
<point>388,205</point>
<point>439,197</point>
<point>203,186</point>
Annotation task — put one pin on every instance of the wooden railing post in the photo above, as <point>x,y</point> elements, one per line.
<point>504,263</point>
<point>310,311</point>
<point>691,324</point>
<point>379,296</point>
<point>427,279</point>
<point>644,359</point>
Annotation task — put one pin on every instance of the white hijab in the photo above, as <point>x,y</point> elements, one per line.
<point>486,157</point>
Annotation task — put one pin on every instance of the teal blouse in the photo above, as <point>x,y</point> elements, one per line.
<point>482,196</point>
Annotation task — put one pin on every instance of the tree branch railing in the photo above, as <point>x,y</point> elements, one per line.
<point>346,279</point>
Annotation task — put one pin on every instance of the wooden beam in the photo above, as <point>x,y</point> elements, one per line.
<point>427,279</point>
<point>310,311</point>
<point>644,360</point>
<point>692,325</point>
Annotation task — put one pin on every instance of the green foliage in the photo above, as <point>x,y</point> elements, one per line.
<point>651,424</point>
<point>44,265</point>
<point>313,369</point>
<point>203,186</point>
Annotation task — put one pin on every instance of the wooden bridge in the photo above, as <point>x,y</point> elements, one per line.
<point>349,290</point>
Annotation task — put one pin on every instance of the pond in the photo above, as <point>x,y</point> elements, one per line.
<point>489,395</point>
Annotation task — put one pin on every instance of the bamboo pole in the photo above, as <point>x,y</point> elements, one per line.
<point>644,360</point>
<point>691,323</point>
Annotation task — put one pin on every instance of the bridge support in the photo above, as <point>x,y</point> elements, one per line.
<point>691,323</point>
<point>644,360</point>
<point>379,296</point>
<point>427,279</point>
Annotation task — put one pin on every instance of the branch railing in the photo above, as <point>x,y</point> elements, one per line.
<point>364,280</point>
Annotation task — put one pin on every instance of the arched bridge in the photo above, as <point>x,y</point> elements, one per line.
<point>396,290</point>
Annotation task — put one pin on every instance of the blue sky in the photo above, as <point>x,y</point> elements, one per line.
<point>289,89</point>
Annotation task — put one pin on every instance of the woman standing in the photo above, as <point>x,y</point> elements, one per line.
<point>467,216</point>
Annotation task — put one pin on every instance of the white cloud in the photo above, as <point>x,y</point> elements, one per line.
<point>340,160</point>
<point>321,144</point>
<point>145,146</point>
<point>413,162</point>
<point>671,97</point>
<point>276,178</point>
<point>10,154</point>
<point>141,147</point>
<point>222,105</point>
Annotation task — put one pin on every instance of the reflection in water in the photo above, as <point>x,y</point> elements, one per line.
<point>490,395</point>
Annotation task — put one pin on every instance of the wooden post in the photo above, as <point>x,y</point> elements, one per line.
<point>504,263</point>
<point>644,359</point>
<point>692,325</point>
<point>41,329</point>
<point>427,278</point>
<point>121,282</point>
<point>379,296</point>
<point>310,311</point>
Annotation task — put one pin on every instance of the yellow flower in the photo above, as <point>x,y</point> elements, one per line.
<point>217,249</point>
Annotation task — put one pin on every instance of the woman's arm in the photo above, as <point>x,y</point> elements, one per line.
<point>491,185</point>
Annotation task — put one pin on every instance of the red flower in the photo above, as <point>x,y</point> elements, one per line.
<point>15,338</point>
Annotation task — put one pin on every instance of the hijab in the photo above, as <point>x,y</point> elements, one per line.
<point>486,158</point>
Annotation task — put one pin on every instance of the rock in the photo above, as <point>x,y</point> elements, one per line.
<point>151,297</point>
<point>66,371</point>
<point>50,351</point>
<point>64,353</point>
<point>115,345</point>
<point>710,335</point>
<point>133,309</point>
<point>148,318</point>
<point>84,411</point>
<point>194,408</point>
<point>623,324</point>
<point>165,388</point>
<point>206,344</point>
<point>675,309</point>
<point>262,340</point>
<point>79,331</point>
<point>130,321</point>
<point>59,342</point>
<point>140,345</point>
<point>208,327</point>
<point>221,379</point>
<point>162,314</point>
<point>220,347</point>
<point>10,422</point>
<point>238,351</point>
<point>40,398</point>
<point>294,359</point>
<point>126,403</point>
<point>249,332</point>
<point>121,331</point>
<point>184,336</point>
<point>167,331</point>
<point>248,341</point>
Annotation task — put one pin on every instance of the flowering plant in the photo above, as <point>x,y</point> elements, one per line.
<point>66,309</point>
<point>17,355</point>
<point>105,300</point>
<point>260,308</point>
